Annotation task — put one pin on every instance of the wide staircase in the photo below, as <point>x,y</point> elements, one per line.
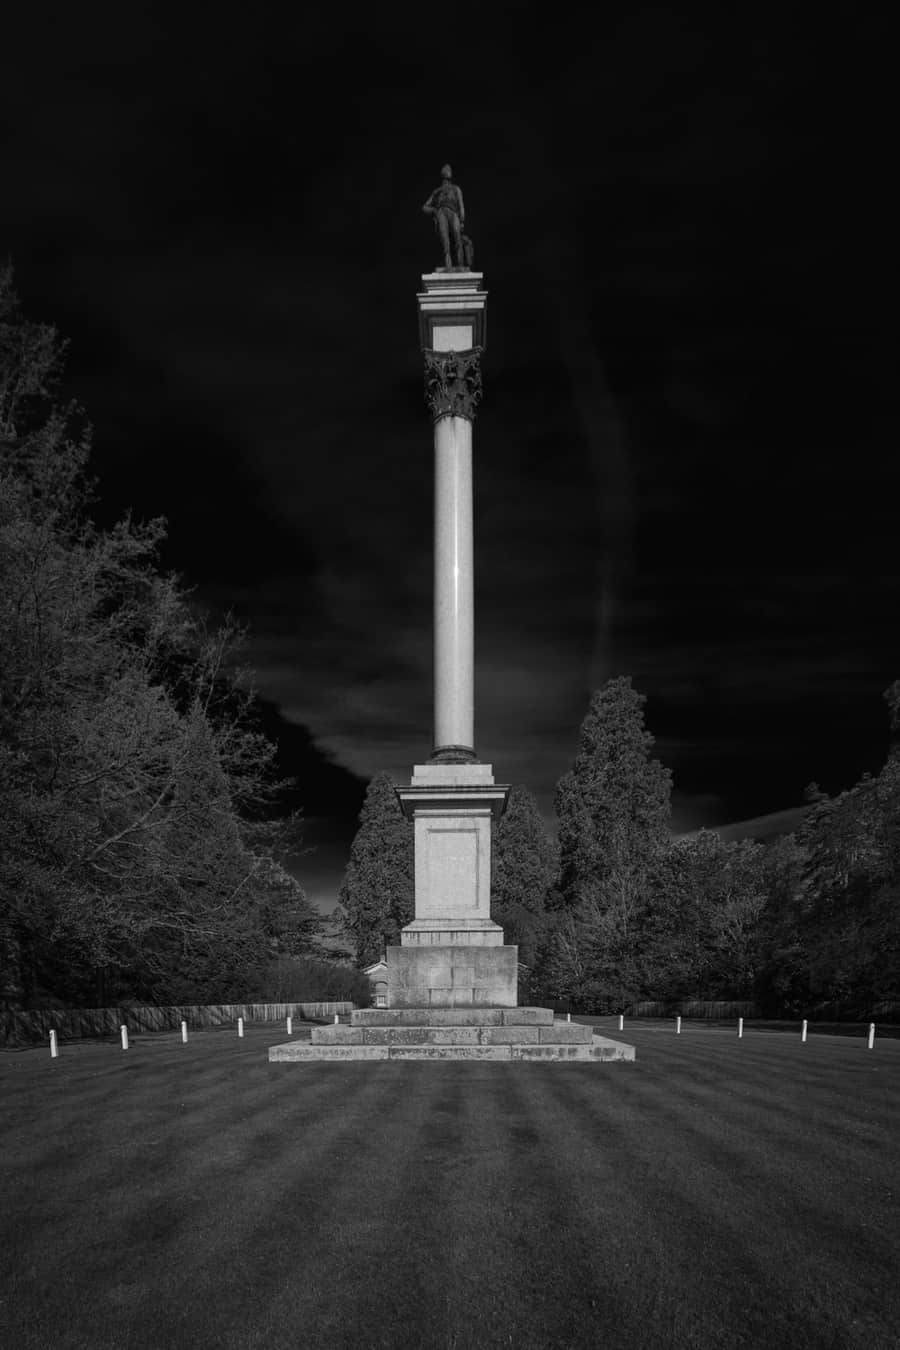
<point>454,1033</point>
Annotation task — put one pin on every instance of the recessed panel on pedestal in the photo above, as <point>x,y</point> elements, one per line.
<point>452,862</point>
<point>452,866</point>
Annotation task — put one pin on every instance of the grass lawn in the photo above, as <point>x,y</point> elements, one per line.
<point>717,1193</point>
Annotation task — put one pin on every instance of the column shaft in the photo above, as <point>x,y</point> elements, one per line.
<point>454,601</point>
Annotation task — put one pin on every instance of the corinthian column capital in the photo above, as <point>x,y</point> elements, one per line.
<point>453,383</point>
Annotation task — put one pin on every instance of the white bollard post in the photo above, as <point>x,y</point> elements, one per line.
<point>568,1017</point>
<point>290,1026</point>
<point>240,1026</point>
<point>677,1026</point>
<point>740,1027</point>
<point>621,1021</point>
<point>124,1031</point>
<point>184,1033</point>
<point>803,1032</point>
<point>336,1019</point>
<point>871,1035</point>
<point>54,1046</point>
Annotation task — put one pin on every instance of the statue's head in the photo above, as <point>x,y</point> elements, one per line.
<point>446,171</point>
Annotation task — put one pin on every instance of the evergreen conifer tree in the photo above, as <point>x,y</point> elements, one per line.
<point>377,894</point>
<point>524,862</point>
<point>614,811</point>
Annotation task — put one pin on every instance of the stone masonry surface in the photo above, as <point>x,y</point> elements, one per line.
<point>553,1041</point>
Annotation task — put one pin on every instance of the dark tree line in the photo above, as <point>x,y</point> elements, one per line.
<point>620,911</point>
<point>829,936</point>
<point>139,835</point>
<point>809,922</point>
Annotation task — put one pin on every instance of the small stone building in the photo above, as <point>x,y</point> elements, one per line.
<point>377,976</point>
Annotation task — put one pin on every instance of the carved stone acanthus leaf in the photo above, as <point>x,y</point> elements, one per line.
<point>453,383</point>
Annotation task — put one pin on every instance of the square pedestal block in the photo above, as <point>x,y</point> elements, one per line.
<point>452,977</point>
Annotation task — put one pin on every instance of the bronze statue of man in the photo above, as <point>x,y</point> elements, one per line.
<point>446,205</point>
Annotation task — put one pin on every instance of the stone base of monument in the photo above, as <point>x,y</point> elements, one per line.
<point>454,1033</point>
<point>452,975</point>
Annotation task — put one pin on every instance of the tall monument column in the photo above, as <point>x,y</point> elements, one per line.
<point>452,954</point>
<point>452,983</point>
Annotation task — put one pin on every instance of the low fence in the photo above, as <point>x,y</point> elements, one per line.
<point>29,1028</point>
<point>702,1009</point>
<point>883,1010</point>
<point>727,1010</point>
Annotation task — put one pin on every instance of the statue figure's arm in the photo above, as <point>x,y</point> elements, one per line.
<point>428,208</point>
<point>462,209</point>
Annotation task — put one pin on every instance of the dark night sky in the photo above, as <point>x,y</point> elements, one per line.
<point>683,469</point>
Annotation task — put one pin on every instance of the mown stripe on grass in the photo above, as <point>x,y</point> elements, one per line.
<point>861,1105</point>
<point>377,1254</point>
<point>273,1225</point>
<point>665,1276</point>
<point>743,1217</point>
<point>166,1258</point>
<point>458,1241</point>
<point>831,1085</point>
<point>152,1112</point>
<point>127,1214</point>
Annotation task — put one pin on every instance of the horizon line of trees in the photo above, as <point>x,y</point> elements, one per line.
<point>617,911</point>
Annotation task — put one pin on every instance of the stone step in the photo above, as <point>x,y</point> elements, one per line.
<point>599,1049</point>
<point>565,1033</point>
<point>451,1017</point>
<point>503,1052</point>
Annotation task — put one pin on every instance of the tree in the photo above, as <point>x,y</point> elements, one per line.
<point>829,935</point>
<point>136,796</point>
<point>613,810</point>
<point>781,961</point>
<point>848,915</point>
<point>578,861</point>
<point>377,895</point>
<point>613,806</point>
<point>701,923</point>
<point>523,867</point>
<point>197,928</point>
<point>566,973</point>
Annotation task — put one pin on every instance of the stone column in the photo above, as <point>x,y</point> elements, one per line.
<point>454,599</point>
<point>452,326</point>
